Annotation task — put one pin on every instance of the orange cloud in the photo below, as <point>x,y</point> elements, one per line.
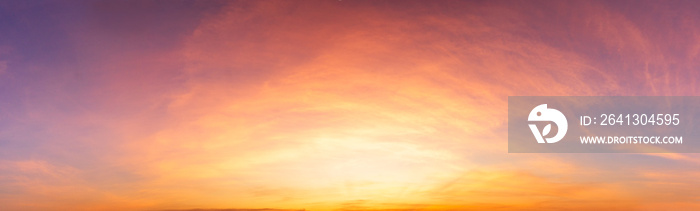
<point>362,104</point>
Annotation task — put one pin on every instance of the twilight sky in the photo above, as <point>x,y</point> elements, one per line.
<point>328,105</point>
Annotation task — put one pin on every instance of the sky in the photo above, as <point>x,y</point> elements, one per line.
<point>328,105</point>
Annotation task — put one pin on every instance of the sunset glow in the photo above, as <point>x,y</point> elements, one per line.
<point>328,105</point>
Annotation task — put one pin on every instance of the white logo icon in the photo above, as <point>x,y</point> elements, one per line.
<point>541,114</point>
